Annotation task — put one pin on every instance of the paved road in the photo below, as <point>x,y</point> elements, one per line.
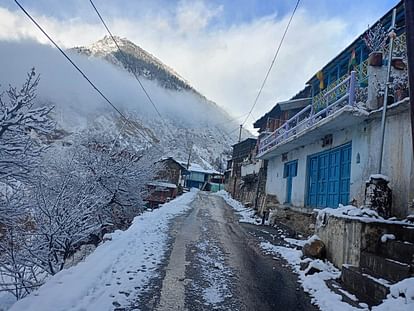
<point>214,263</point>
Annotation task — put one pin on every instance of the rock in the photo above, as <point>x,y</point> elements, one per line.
<point>304,264</point>
<point>107,237</point>
<point>378,195</point>
<point>312,270</point>
<point>314,248</point>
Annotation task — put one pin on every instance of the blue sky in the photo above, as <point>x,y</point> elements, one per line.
<point>223,48</point>
<point>234,11</point>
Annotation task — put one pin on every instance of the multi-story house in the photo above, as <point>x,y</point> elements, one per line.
<point>340,143</point>
<point>322,155</point>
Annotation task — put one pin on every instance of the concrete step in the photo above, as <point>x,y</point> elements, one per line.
<point>407,234</point>
<point>366,287</point>
<point>386,268</point>
<point>404,233</point>
<point>401,251</point>
<point>337,288</point>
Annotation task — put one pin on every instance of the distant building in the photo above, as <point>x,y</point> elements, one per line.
<point>168,183</point>
<point>160,193</point>
<point>243,154</point>
<point>172,171</point>
<point>198,177</point>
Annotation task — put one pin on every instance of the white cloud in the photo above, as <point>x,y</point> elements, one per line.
<point>194,16</point>
<point>226,64</point>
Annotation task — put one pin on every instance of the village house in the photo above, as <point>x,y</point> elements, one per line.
<point>168,183</point>
<point>172,171</point>
<point>322,155</point>
<point>328,152</point>
<point>173,176</point>
<point>198,177</point>
<point>243,152</point>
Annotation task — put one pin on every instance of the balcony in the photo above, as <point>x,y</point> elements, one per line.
<point>336,100</point>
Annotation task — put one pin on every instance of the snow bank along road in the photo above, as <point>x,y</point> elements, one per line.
<point>191,254</point>
<point>115,271</point>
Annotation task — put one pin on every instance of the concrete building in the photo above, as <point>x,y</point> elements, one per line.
<point>328,155</point>
<point>323,155</point>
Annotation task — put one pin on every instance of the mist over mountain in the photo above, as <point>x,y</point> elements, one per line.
<point>188,118</point>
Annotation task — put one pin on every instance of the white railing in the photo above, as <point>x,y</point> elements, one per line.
<point>308,116</point>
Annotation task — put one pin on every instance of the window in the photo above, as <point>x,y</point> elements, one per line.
<point>197,176</point>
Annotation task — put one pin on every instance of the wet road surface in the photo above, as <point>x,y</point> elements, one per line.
<point>214,263</point>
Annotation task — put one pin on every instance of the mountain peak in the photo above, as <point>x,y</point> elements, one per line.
<point>137,61</point>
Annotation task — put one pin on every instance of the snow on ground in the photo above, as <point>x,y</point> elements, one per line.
<point>214,272</point>
<point>109,275</point>
<point>6,300</point>
<point>401,297</point>
<point>314,284</point>
<point>214,286</point>
<point>246,214</point>
<point>358,213</point>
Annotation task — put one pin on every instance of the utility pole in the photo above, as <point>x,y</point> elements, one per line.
<point>189,156</point>
<point>240,132</point>
<point>391,35</point>
<point>409,32</point>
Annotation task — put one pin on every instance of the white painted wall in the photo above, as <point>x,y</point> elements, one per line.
<point>365,137</point>
<point>251,168</point>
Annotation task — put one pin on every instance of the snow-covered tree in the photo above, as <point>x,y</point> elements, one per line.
<point>22,126</point>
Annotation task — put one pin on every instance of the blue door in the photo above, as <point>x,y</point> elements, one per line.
<point>290,171</point>
<point>329,177</point>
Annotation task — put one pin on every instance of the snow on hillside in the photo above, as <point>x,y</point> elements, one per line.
<point>105,279</point>
<point>106,46</point>
<point>187,118</point>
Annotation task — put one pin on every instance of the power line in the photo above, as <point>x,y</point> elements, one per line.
<point>125,58</point>
<point>273,61</point>
<point>83,74</point>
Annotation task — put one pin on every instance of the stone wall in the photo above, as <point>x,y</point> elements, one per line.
<point>346,238</point>
<point>302,221</point>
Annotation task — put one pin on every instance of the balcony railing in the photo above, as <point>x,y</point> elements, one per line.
<point>342,94</point>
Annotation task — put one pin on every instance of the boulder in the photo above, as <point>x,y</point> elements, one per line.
<point>314,248</point>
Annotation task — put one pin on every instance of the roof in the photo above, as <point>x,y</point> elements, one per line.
<point>294,104</point>
<point>300,100</point>
<point>194,167</point>
<point>252,140</point>
<point>162,184</point>
<point>180,163</point>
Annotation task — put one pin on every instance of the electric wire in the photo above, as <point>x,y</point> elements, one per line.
<point>125,58</point>
<point>84,75</point>
<point>273,62</point>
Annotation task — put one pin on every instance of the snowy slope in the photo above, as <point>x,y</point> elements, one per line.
<point>107,276</point>
<point>138,61</point>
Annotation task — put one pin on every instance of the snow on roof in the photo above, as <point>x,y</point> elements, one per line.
<point>194,167</point>
<point>162,184</point>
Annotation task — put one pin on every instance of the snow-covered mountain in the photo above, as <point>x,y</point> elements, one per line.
<point>188,118</point>
<point>136,60</point>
